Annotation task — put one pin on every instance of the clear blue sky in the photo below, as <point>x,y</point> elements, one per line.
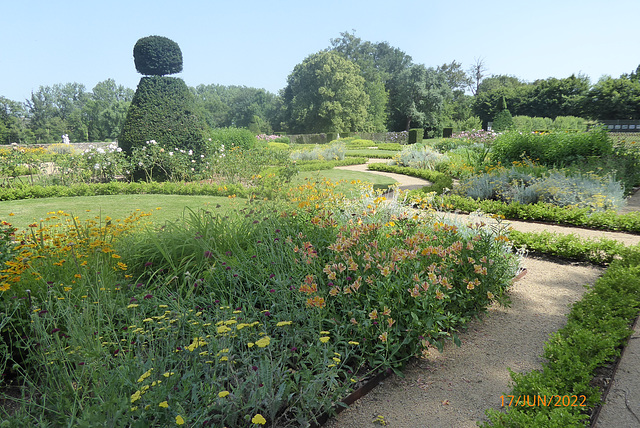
<point>258,43</point>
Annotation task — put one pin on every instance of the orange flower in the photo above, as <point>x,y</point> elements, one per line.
<point>316,302</point>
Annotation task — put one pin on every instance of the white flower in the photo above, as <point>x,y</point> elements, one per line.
<point>190,152</point>
<point>170,153</point>
<point>140,164</point>
<point>96,166</point>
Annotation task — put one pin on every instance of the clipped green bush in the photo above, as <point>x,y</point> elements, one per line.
<point>163,109</point>
<point>157,56</point>
<point>416,135</point>
<point>503,121</point>
<point>552,149</point>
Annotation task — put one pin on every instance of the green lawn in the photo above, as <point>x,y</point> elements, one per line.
<point>27,211</point>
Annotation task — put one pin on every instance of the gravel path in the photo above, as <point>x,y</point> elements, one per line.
<point>454,388</point>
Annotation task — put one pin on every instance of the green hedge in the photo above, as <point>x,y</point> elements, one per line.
<point>157,56</point>
<point>581,217</point>
<point>116,188</point>
<point>416,135</point>
<point>598,326</point>
<point>439,181</point>
<point>163,109</point>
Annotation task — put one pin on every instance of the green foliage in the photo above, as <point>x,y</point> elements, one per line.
<point>415,135</point>
<point>553,149</point>
<point>581,217</point>
<point>325,93</point>
<point>157,56</point>
<point>228,138</point>
<point>419,156</point>
<point>597,326</point>
<point>319,165</point>
<point>116,188</point>
<point>502,121</point>
<point>333,151</point>
<point>570,247</point>
<point>440,182</point>
<point>555,187</point>
<point>163,110</point>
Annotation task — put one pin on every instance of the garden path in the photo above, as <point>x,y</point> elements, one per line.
<point>455,387</point>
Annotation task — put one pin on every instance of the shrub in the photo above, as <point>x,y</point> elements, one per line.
<point>157,56</point>
<point>334,151</point>
<point>228,138</point>
<point>558,148</point>
<point>503,121</point>
<point>556,187</point>
<point>162,109</point>
<point>416,135</point>
<point>419,156</point>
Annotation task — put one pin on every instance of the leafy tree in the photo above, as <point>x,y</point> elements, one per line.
<point>13,125</point>
<point>422,93</point>
<point>381,65</point>
<point>556,97</point>
<point>614,99</point>
<point>326,93</point>
<point>236,106</point>
<point>363,54</point>
<point>105,112</point>
<point>491,92</point>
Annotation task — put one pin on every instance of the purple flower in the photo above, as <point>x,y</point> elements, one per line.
<point>255,368</point>
<point>147,264</point>
<point>55,330</point>
<point>207,254</point>
<point>272,275</point>
<point>133,299</point>
<point>294,349</point>
<point>272,291</point>
<point>148,296</point>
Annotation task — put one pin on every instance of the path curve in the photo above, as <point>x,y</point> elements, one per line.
<point>454,388</point>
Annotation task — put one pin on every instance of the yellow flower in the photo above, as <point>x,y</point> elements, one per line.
<point>223,394</point>
<point>351,342</point>
<point>324,339</point>
<point>133,305</point>
<point>179,420</point>
<point>164,404</point>
<point>263,342</point>
<point>283,323</point>
<point>258,419</point>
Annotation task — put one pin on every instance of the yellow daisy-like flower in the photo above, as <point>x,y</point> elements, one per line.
<point>163,404</point>
<point>223,394</point>
<point>324,339</point>
<point>179,420</point>
<point>258,419</point>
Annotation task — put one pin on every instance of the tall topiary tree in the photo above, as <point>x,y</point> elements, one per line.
<point>503,121</point>
<point>163,108</point>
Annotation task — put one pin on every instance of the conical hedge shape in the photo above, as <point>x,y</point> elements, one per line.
<point>162,109</point>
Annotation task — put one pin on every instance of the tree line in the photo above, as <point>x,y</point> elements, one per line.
<point>351,86</point>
